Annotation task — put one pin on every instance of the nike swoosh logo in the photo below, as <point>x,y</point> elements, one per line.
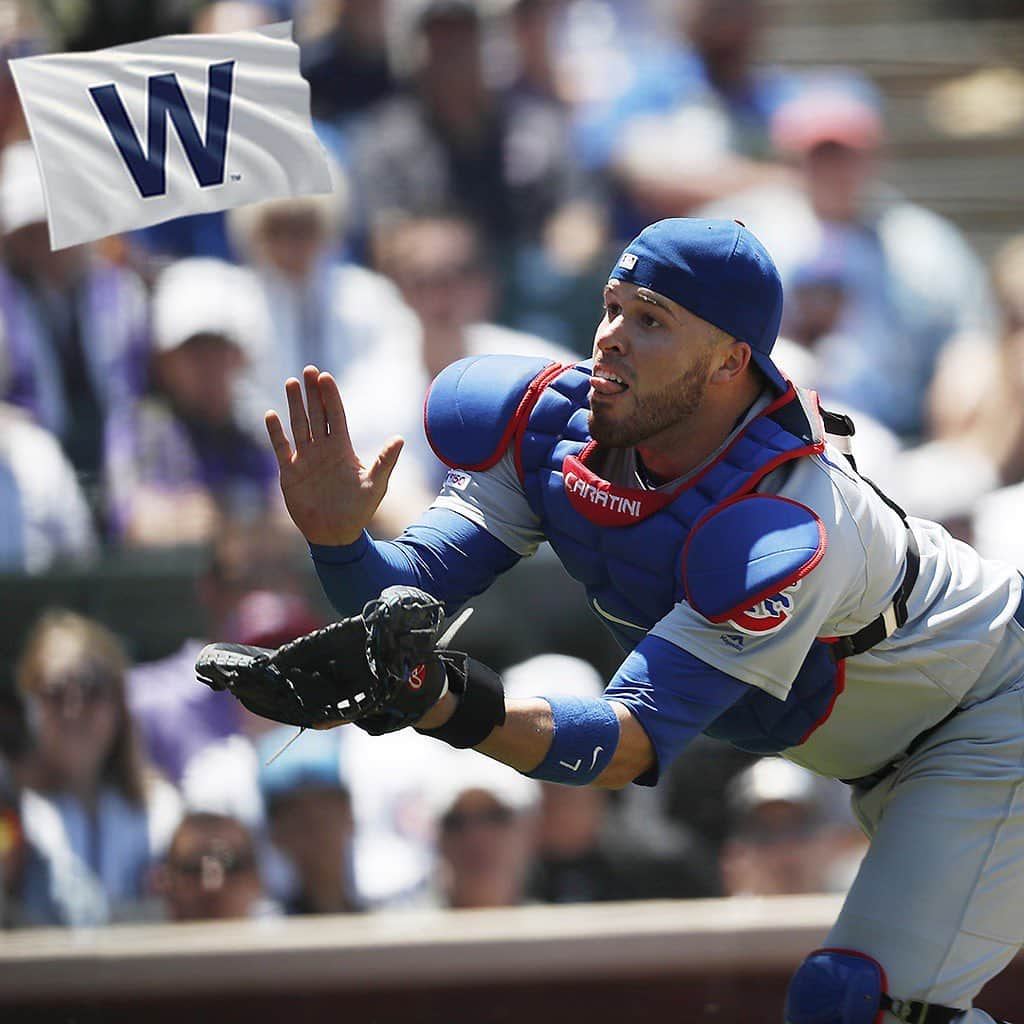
<point>614,618</point>
<point>576,767</point>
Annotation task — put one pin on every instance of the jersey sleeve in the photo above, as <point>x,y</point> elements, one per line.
<point>443,553</point>
<point>673,695</point>
<point>494,500</point>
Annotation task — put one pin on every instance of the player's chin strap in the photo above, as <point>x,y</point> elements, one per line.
<point>841,426</point>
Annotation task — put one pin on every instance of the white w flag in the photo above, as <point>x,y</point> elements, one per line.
<point>134,135</point>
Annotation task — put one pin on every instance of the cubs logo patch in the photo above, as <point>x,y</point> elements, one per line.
<point>457,479</point>
<point>769,615</point>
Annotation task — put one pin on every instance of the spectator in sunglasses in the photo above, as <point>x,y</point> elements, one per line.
<point>486,833</point>
<point>211,872</point>
<point>91,807</point>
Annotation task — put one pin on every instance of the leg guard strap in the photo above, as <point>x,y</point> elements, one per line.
<point>913,1011</point>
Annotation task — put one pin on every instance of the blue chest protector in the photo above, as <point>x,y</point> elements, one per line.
<point>639,552</point>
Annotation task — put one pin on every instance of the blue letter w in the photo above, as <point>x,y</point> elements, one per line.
<point>207,157</point>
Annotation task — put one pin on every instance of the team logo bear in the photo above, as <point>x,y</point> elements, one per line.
<point>768,615</point>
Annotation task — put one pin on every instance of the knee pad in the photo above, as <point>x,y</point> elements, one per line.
<point>834,986</point>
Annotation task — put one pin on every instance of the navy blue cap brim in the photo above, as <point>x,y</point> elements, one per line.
<point>769,369</point>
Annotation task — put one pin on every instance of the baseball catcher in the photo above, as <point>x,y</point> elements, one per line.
<point>763,593</point>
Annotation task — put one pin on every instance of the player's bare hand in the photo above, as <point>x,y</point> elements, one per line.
<point>330,494</point>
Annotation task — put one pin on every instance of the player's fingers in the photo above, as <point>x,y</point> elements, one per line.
<point>383,466</point>
<point>314,404</point>
<point>278,439</point>
<point>334,411</point>
<point>297,413</point>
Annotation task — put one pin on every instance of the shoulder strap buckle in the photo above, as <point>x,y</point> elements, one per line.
<point>913,1011</point>
<point>892,618</point>
<point>838,424</point>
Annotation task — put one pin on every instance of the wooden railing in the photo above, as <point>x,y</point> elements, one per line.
<point>722,961</point>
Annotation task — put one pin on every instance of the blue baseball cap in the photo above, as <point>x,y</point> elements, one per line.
<point>719,271</point>
<point>313,761</point>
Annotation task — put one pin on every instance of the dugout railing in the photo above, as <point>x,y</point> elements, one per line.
<point>722,961</point>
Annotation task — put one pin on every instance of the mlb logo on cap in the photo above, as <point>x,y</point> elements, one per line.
<point>627,261</point>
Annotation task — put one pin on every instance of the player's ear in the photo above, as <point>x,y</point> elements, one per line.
<point>732,358</point>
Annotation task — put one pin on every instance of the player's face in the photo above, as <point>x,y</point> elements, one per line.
<point>652,362</point>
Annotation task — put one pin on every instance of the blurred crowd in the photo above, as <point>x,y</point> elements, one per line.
<point>490,159</point>
<point>127,798</point>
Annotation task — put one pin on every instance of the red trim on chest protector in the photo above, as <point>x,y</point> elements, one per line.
<point>522,416</point>
<point>762,471</point>
<point>602,502</point>
<point>764,592</point>
<point>840,686</point>
<point>523,410</point>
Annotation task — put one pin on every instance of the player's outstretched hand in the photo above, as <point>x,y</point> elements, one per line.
<point>331,496</point>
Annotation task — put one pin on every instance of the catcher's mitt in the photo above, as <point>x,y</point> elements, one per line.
<point>378,669</point>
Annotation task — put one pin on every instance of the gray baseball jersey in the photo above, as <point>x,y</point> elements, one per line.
<point>960,641</point>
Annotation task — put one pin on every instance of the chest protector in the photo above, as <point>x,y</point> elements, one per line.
<point>628,546</point>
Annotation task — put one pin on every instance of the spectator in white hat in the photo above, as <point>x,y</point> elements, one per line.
<point>792,832</point>
<point>179,463</point>
<point>323,310</point>
<point>317,308</point>
<point>485,814</point>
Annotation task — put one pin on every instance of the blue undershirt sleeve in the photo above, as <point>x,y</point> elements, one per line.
<point>673,695</point>
<point>442,553</point>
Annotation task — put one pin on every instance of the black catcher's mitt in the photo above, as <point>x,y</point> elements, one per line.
<point>378,669</point>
